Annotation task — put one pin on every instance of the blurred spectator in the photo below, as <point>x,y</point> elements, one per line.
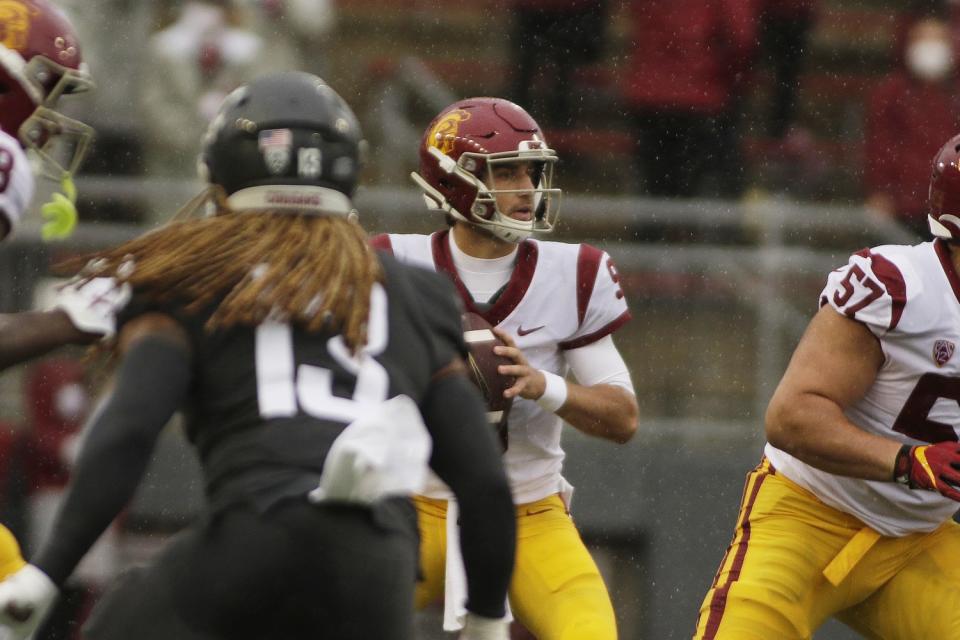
<point>551,38</point>
<point>690,61</point>
<point>908,115</point>
<point>112,33</point>
<point>297,31</point>
<point>795,165</point>
<point>191,66</point>
<point>57,403</point>
<point>785,27</point>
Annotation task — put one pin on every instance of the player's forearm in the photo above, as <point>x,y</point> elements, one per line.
<point>31,334</point>
<point>602,410</point>
<point>151,383</point>
<point>466,456</point>
<point>815,430</point>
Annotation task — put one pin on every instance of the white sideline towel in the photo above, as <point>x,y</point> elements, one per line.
<point>385,452</point>
<point>455,582</point>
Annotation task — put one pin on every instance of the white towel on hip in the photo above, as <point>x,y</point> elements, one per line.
<point>383,453</point>
<point>455,582</point>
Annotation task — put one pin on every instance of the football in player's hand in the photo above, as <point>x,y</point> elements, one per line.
<point>480,338</point>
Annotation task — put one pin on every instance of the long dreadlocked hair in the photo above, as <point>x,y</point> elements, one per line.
<point>315,271</point>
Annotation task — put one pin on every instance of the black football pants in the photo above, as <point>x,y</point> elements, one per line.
<point>297,571</point>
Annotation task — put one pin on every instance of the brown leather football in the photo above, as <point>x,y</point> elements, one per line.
<point>483,363</point>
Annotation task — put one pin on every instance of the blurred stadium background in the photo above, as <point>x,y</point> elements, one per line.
<point>720,289</point>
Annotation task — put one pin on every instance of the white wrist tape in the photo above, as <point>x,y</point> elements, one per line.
<point>555,393</point>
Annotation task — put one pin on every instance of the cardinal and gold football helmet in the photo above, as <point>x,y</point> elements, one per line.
<point>459,151</point>
<point>40,60</point>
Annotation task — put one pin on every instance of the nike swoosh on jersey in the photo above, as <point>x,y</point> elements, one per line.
<point>522,332</point>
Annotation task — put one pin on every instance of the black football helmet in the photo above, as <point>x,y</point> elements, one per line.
<point>284,141</point>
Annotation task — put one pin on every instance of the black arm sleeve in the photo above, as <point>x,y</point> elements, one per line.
<point>467,457</point>
<point>438,306</point>
<point>151,383</point>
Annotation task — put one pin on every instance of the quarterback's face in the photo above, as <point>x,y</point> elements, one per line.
<point>513,185</point>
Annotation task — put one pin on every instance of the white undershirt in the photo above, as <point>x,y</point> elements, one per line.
<point>600,363</point>
<point>483,277</point>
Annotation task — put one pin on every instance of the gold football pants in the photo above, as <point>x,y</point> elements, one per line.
<point>11,560</point>
<point>794,562</point>
<point>556,591</point>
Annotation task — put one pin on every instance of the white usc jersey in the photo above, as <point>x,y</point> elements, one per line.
<point>16,180</point>
<point>560,296</point>
<point>909,297</point>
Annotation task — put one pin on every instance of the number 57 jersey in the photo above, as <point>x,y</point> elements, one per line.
<point>909,298</point>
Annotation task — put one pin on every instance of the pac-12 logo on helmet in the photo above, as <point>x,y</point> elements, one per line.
<point>461,147</point>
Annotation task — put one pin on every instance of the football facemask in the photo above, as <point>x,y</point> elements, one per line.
<point>58,141</point>
<point>485,211</point>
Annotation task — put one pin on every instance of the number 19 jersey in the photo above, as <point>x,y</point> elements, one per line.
<point>909,298</point>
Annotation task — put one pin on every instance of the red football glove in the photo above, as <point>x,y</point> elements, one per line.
<point>934,467</point>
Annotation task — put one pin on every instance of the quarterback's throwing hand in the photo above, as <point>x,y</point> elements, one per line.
<point>25,598</point>
<point>530,383</point>
<point>935,467</point>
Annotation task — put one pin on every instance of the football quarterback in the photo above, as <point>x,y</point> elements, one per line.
<point>485,165</point>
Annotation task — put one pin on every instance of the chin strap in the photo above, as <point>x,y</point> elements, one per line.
<point>61,212</point>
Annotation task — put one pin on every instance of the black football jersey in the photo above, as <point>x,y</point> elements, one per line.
<point>267,402</point>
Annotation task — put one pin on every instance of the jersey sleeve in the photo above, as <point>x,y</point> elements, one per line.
<point>870,288</point>
<point>16,181</point>
<point>382,242</point>
<point>601,305</point>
